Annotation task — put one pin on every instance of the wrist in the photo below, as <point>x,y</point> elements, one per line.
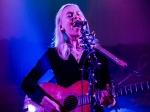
<point>112,104</point>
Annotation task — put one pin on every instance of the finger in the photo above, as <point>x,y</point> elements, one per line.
<point>108,87</point>
<point>103,96</point>
<point>112,103</point>
<point>104,99</point>
<point>105,93</point>
<point>55,105</point>
<point>101,101</point>
<point>102,93</point>
<point>106,96</point>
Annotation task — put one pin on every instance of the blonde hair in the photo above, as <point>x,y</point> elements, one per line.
<point>59,41</point>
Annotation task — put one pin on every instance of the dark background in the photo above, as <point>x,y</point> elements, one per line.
<point>26,29</point>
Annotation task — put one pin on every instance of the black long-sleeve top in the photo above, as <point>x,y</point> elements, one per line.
<point>66,72</point>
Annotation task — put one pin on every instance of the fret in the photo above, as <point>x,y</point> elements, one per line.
<point>86,100</point>
<point>89,98</point>
<point>124,92</point>
<point>147,84</point>
<point>133,88</point>
<point>125,89</point>
<point>120,91</point>
<point>141,86</point>
<point>128,89</point>
<point>79,100</point>
<point>83,99</point>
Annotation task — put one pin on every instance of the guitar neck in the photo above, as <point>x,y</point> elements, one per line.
<point>120,91</point>
<point>86,99</point>
<point>133,88</point>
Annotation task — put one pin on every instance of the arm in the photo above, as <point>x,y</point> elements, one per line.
<point>33,90</point>
<point>105,84</point>
<point>29,84</point>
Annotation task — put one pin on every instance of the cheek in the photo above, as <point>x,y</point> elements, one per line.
<point>82,18</point>
<point>66,23</point>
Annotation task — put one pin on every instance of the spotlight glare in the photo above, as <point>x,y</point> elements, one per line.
<point>31,108</point>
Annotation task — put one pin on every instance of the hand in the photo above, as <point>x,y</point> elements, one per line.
<point>106,99</point>
<point>49,105</point>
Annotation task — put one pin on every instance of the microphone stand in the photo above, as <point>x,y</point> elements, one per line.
<point>91,70</point>
<point>92,81</point>
<point>88,43</point>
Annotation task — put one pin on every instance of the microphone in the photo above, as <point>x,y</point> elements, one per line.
<point>79,23</point>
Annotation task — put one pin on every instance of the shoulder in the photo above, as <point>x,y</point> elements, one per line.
<point>52,53</point>
<point>51,50</point>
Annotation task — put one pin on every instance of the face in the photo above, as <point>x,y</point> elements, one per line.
<point>69,15</point>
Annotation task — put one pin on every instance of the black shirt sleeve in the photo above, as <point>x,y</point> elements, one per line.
<point>103,72</point>
<point>29,84</point>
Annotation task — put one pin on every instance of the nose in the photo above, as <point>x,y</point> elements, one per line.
<point>76,17</point>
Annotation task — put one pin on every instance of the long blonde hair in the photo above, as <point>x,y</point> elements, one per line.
<point>60,41</point>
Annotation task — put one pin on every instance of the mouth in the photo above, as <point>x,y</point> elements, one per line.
<point>76,22</point>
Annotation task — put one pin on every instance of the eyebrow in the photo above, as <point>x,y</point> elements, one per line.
<point>69,12</point>
<point>73,12</point>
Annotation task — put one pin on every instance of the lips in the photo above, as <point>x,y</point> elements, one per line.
<point>74,20</point>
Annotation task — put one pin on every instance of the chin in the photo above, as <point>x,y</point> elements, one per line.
<point>78,34</point>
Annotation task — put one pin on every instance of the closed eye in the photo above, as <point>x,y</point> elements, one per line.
<point>79,13</point>
<point>69,14</point>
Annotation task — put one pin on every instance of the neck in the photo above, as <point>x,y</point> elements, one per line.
<point>74,43</point>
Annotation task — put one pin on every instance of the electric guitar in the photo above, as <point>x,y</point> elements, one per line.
<point>75,98</point>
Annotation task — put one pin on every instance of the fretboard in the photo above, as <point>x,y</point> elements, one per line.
<point>120,91</point>
<point>86,99</point>
<point>133,88</point>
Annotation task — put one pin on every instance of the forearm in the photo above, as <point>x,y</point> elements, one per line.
<point>49,105</point>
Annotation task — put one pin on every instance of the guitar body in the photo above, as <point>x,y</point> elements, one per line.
<point>68,97</point>
<point>72,99</point>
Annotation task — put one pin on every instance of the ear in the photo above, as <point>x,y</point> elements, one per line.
<point>61,28</point>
